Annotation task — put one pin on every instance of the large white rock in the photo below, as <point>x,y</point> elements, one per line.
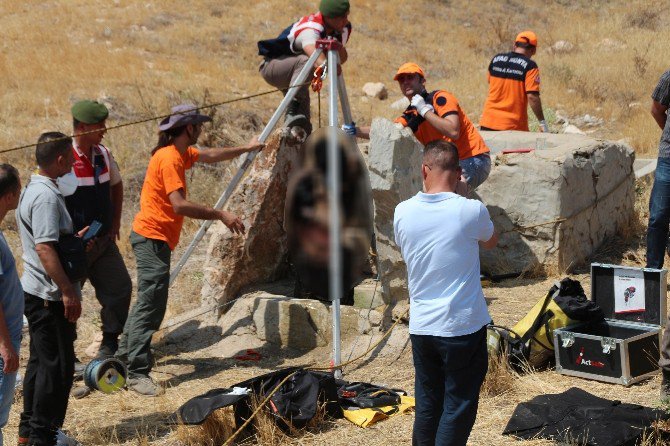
<point>295,323</point>
<point>375,90</point>
<point>394,160</point>
<point>555,206</point>
<point>258,256</point>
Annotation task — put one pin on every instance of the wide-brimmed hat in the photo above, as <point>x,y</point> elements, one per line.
<point>183,114</point>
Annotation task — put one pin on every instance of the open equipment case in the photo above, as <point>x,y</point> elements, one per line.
<point>623,348</point>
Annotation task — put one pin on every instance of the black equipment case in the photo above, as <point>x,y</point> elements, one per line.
<point>623,348</point>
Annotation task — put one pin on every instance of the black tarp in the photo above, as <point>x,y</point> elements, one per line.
<point>577,417</point>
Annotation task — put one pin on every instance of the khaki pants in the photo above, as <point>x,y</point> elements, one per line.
<point>153,281</point>
<point>113,288</point>
<point>283,72</point>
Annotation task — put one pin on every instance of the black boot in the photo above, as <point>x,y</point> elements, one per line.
<point>296,119</point>
<point>665,387</point>
<point>109,345</point>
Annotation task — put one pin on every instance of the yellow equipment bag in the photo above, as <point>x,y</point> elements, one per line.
<point>531,341</point>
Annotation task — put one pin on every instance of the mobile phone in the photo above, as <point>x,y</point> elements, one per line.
<point>92,231</point>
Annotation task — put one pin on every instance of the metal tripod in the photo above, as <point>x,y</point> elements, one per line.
<point>336,88</point>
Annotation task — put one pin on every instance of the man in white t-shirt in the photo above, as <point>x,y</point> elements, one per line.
<point>439,234</point>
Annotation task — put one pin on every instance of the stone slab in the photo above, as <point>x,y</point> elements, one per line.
<point>258,256</point>
<point>295,323</point>
<point>557,205</point>
<point>394,160</point>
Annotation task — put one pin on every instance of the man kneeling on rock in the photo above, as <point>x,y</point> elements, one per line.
<point>156,230</point>
<point>437,115</point>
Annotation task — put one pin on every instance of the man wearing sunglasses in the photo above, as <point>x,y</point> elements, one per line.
<point>438,115</point>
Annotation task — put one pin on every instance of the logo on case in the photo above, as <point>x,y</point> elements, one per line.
<point>587,362</point>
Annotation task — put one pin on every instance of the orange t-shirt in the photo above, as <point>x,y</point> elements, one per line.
<point>511,77</point>
<point>166,173</point>
<point>469,143</point>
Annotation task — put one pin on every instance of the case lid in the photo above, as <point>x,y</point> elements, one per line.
<point>630,294</point>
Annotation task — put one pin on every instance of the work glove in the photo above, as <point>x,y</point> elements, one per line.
<point>349,129</point>
<point>420,104</point>
<point>544,127</point>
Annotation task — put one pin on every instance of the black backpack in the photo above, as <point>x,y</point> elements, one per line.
<point>364,395</point>
<point>297,400</point>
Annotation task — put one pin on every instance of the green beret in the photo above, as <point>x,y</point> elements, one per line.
<point>89,112</point>
<point>334,8</point>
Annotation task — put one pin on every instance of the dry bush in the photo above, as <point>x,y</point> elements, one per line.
<point>268,432</point>
<point>500,378</point>
<point>266,429</point>
<point>216,429</point>
<point>658,435</point>
<point>645,18</point>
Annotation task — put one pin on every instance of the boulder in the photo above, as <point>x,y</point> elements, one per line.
<point>611,44</point>
<point>400,104</point>
<point>258,256</point>
<point>558,205</point>
<point>296,323</point>
<point>375,90</point>
<point>394,160</point>
<point>562,47</point>
<point>573,130</point>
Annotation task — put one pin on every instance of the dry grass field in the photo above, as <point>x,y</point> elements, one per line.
<point>142,57</point>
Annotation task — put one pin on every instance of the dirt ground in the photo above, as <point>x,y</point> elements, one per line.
<point>158,54</point>
<point>191,362</point>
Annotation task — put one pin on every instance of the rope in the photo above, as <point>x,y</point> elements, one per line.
<point>550,222</point>
<point>320,124</point>
<point>153,118</point>
<point>590,207</point>
<point>207,310</point>
<point>386,334</point>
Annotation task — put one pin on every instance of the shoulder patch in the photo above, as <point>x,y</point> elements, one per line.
<point>441,101</point>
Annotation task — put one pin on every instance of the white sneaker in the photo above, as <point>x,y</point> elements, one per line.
<point>64,440</point>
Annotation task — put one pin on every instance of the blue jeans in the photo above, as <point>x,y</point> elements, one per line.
<point>659,215</point>
<point>448,375</point>
<point>7,383</point>
<point>476,169</point>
